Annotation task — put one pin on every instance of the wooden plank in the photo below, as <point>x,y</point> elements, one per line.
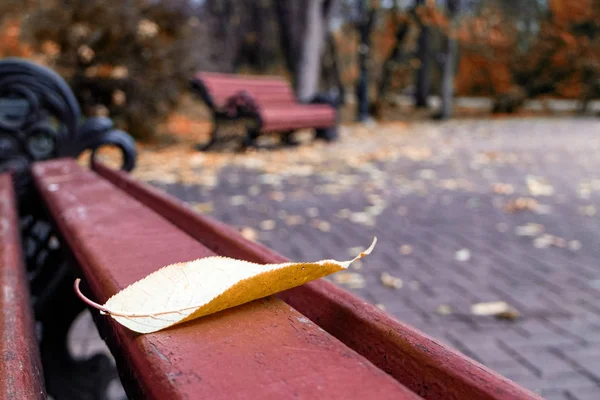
<point>21,374</point>
<point>418,361</point>
<point>264,349</point>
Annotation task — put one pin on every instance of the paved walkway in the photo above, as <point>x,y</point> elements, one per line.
<point>466,212</point>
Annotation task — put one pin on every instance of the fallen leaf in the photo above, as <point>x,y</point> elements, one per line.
<point>588,211</point>
<point>267,225</point>
<point>391,281</point>
<point>538,186</point>
<point>503,188</point>
<point>249,233</point>
<point>254,190</point>
<point>277,196</point>
<point>529,229</point>
<point>323,226</point>
<point>443,309</point>
<point>498,309</point>
<point>406,249</point>
<point>184,291</point>
<point>292,220</point>
<point>237,200</point>
<point>462,255</point>
<point>204,208</point>
<point>353,280</point>
<point>547,240</point>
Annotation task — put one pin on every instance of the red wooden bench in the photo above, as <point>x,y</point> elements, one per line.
<point>20,366</point>
<point>262,104</point>
<point>314,341</point>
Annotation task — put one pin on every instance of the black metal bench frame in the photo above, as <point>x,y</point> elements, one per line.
<point>40,119</point>
<point>248,118</point>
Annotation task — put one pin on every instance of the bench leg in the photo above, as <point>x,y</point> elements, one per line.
<point>327,134</point>
<point>250,138</point>
<point>56,307</point>
<point>66,377</point>
<point>288,139</point>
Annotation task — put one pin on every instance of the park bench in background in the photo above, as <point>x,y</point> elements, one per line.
<point>261,105</point>
<point>314,341</point>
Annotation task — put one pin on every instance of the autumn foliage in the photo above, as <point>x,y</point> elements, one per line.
<point>559,56</point>
<point>131,63</point>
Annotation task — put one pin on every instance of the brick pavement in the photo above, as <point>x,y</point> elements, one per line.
<point>436,194</point>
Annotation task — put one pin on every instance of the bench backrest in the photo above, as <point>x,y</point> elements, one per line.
<point>265,91</point>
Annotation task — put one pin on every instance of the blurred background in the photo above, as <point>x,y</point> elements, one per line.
<point>382,58</point>
<point>469,145</point>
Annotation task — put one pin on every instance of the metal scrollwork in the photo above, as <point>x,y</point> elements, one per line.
<point>40,119</point>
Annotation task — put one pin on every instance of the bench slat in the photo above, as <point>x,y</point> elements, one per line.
<point>297,116</point>
<point>20,367</point>
<point>424,365</point>
<point>264,349</point>
<point>264,90</point>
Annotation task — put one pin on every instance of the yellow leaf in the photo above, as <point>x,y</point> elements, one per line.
<point>184,291</point>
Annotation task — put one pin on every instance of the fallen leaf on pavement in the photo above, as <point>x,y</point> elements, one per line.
<point>323,226</point>
<point>574,245</point>
<point>184,291</point>
<point>462,255</point>
<point>353,280</point>
<point>237,200</point>
<point>547,240</point>
<point>203,208</point>
<point>498,309</point>
<point>391,281</point>
<point>529,229</point>
<point>503,188</point>
<point>249,233</point>
<point>538,186</point>
<point>267,225</point>
<point>443,309</point>
<point>292,220</point>
<point>588,211</point>
<point>406,249</point>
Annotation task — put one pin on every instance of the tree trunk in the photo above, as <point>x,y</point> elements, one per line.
<point>449,62</point>
<point>309,68</point>
<point>290,16</point>
<point>391,62</point>
<point>423,78</point>
<point>331,69</point>
<point>448,79</point>
<point>362,93</point>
